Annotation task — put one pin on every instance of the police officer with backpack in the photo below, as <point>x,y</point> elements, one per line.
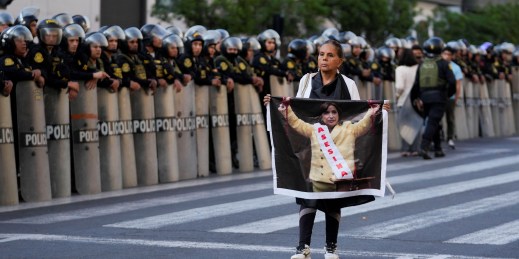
<point>434,83</point>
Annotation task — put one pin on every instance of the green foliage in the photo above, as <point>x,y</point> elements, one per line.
<point>245,16</point>
<point>376,19</point>
<point>495,23</point>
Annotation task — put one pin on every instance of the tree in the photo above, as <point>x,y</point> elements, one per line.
<point>494,23</point>
<point>245,16</point>
<point>375,19</point>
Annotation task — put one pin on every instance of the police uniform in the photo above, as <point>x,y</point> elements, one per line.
<point>293,66</point>
<point>52,65</point>
<point>383,70</point>
<point>310,65</point>
<point>434,97</point>
<point>132,68</point>
<point>265,66</point>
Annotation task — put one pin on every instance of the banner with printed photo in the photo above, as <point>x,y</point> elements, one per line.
<point>309,161</point>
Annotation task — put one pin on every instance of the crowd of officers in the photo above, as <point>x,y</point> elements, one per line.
<point>60,51</point>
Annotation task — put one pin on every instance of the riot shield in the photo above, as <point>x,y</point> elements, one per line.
<point>243,111</point>
<point>220,130</point>
<point>128,165</point>
<point>515,96</point>
<point>166,137</point>
<point>57,117</point>
<point>33,155</point>
<point>186,131</point>
<point>486,122</point>
<point>506,109</point>
<point>493,93</point>
<point>110,129</point>
<point>394,141</point>
<point>202,128</point>
<point>460,116</point>
<point>85,141</point>
<point>362,88</point>
<point>409,122</point>
<point>144,137</point>
<point>8,184</point>
<point>279,86</point>
<point>468,91</point>
<point>261,141</point>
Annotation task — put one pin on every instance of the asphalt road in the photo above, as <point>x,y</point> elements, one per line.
<point>465,205</point>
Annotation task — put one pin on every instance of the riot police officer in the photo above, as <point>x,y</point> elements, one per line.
<point>131,63</point>
<point>6,21</point>
<point>297,54</point>
<point>265,63</point>
<point>383,68</point>
<point>114,34</point>
<point>156,65</point>
<point>434,83</point>
<point>172,48</point>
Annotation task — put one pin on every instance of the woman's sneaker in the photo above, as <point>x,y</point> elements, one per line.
<point>302,252</point>
<point>331,251</point>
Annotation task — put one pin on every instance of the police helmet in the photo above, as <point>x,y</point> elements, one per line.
<point>71,31</point>
<point>393,43</point>
<point>463,45</point>
<point>96,38</point>
<point>83,21</point>
<point>6,18</point>
<point>172,40</point>
<point>355,42</point>
<point>363,43</point>
<point>175,30</point>
<point>487,46</point>
<point>132,33</point>
<point>8,37</point>
<point>298,48</point>
<point>507,47</point>
<point>63,19</point>
<point>113,31</point>
<point>27,16</point>
<point>228,43</point>
<point>412,40</point>
<point>347,37</point>
<point>190,33</point>
<point>269,34</point>
<point>453,46</point>
<point>211,37</point>
<point>249,43</point>
<point>386,52</point>
<point>46,28</point>
<point>223,33</point>
<point>319,41</point>
<point>473,50</point>
<point>150,31</point>
<point>310,47</point>
<point>346,50</point>
<point>331,33</point>
<point>433,46</point>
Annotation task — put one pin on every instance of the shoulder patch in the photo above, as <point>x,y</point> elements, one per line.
<point>224,66</point>
<point>263,60</point>
<point>187,63</point>
<point>242,66</point>
<point>38,58</point>
<point>311,64</point>
<point>8,62</point>
<point>374,66</point>
<point>290,65</point>
<point>126,68</point>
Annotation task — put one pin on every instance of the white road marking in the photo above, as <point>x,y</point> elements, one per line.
<point>202,213</point>
<point>499,235</point>
<point>434,217</point>
<point>290,221</point>
<point>212,246</point>
<point>137,205</point>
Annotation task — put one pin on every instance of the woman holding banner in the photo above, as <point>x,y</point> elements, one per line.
<point>328,83</point>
